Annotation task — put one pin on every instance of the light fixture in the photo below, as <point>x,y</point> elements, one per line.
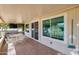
<point>77,24</point>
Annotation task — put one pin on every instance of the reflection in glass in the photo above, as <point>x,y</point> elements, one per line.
<point>35,30</point>
<point>57,28</point>
<point>46,28</point>
<point>27,27</point>
<point>54,28</point>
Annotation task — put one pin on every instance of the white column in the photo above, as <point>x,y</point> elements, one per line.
<point>77,37</point>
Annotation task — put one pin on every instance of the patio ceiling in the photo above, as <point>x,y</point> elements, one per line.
<point>20,13</point>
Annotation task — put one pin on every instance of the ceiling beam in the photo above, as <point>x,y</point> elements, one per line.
<point>2,19</point>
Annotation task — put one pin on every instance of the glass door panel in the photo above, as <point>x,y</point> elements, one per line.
<point>35,30</point>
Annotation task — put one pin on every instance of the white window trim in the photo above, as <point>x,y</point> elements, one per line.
<point>65,28</point>
<point>37,20</point>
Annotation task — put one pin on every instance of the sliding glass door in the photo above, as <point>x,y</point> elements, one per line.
<point>35,30</point>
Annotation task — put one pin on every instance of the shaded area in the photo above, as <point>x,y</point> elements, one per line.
<point>30,47</point>
<point>3,50</point>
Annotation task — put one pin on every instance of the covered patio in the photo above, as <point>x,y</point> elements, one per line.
<point>37,29</point>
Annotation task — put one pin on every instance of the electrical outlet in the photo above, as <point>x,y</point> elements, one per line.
<point>50,42</point>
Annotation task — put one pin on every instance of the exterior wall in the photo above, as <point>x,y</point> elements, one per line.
<point>56,44</point>
<point>78,25</point>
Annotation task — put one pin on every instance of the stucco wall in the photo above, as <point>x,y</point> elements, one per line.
<point>56,44</point>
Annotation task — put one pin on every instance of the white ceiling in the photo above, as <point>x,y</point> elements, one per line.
<point>19,13</point>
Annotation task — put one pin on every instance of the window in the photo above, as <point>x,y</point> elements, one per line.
<point>54,28</point>
<point>12,25</point>
<point>27,27</point>
<point>46,28</point>
<point>20,26</point>
<point>57,28</point>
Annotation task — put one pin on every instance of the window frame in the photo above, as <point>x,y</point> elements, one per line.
<point>52,19</point>
<point>65,28</point>
<point>27,26</point>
